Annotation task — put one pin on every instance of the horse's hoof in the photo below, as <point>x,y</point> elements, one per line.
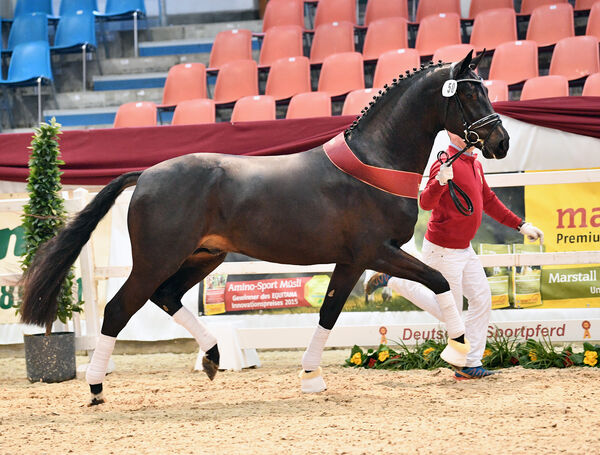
<point>96,400</point>
<point>210,368</point>
<point>312,382</point>
<point>455,353</point>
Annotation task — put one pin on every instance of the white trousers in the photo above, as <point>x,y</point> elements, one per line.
<point>465,274</point>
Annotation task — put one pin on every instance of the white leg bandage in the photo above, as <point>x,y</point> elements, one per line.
<point>451,316</point>
<point>312,356</point>
<point>205,339</point>
<point>97,368</point>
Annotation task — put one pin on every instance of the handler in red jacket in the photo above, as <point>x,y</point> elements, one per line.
<point>447,248</point>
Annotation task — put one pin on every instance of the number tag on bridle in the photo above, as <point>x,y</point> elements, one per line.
<point>449,88</point>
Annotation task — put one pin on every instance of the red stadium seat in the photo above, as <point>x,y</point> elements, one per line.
<point>385,35</point>
<point>356,100</point>
<point>438,31</point>
<point>434,7</point>
<point>545,87</point>
<point>231,45</point>
<point>279,42</point>
<point>478,6</point>
<point>584,4</point>
<point>381,9</point>
<point>575,57</point>
<point>310,104</point>
<point>393,63</point>
<point>493,27</point>
<point>332,39</point>
<point>254,108</point>
<point>452,53</point>
<point>140,113</point>
<point>335,11</point>
<point>192,112</point>
<point>236,80</point>
<point>289,12</point>
<point>592,85</point>
<point>342,73</point>
<point>515,62</point>
<point>550,23</point>
<point>288,77</point>
<point>593,25</point>
<point>527,6</point>
<point>497,90</point>
<point>185,81</point>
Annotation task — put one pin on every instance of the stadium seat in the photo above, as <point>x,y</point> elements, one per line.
<point>342,73</point>
<point>452,53</point>
<point>192,112</point>
<point>584,4</point>
<point>478,6</point>
<point>30,66</point>
<point>235,80</point>
<point>34,6</point>
<point>592,85</point>
<point>545,87</point>
<point>550,23</point>
<point>185,81</point>
<point>335,11</point>
<point>27,28</point>
<point>279,42</point>
<point>289,12</point>
<point>434,7</point>
<point>381,9</point>
<point>438,31</point>
<point>331,39</point>
<point>515,62</point>
<point>76,32</point>
<point>254,108</point>
<point>393,63</point>
<point>493,27</point>
<point>119,10</point>
<point>231,45</point>
<point>527,6</point>
<point>385,35</point>
<point>593,24</point>
<point>310,104</point>
<point>140,113</point>
<point>497,90</point>
<point>288,77</point>
<point>72,6</point>
<point>575,57</point>
<point>356,100</point>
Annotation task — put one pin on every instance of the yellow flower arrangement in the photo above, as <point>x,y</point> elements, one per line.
<point>590,358</point>
<point>428,351</point>
<point>383,355</point>
<point>356,358</point>
<point>533,355</point>
<point>486,353</point>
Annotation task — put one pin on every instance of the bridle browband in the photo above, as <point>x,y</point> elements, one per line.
<point>471,137</point>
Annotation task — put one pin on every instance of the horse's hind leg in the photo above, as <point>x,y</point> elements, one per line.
<point>168,297</point>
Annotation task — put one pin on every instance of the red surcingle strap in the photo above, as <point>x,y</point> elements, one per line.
<point>399,183</point>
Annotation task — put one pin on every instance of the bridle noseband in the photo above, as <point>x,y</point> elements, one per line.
<point>471,137</point>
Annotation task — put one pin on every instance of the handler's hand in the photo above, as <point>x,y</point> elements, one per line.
<point>531,232</point>
<point>445,174</point>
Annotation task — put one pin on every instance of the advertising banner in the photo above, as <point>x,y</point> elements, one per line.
<point>11,249</point>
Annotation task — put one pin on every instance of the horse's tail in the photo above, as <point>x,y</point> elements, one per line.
<point>42,281</point>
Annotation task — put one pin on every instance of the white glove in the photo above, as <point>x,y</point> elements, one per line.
<point>531,232</point>
<point>445,174</point>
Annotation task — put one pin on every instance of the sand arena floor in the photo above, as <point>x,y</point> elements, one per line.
<point>158,405</point>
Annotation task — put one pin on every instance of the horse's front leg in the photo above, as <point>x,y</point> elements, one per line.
<point>396,262</point>
<point>342,282</point>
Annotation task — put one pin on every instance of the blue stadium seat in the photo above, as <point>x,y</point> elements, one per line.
<point>72,6</point>
<point>77,33</point>
<point>26,28</point>
<point>34,6</point>
<point>125,10</point>
<point>30,65</point>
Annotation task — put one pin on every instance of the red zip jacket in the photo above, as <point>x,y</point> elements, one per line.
<point>449,228</point>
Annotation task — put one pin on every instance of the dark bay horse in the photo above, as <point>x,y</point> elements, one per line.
<point>188,212</point>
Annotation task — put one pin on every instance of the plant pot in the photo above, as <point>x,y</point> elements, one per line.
<point>50,358</point>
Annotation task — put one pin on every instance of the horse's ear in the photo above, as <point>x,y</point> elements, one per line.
<point>475,62</point>
<point>464,64</point>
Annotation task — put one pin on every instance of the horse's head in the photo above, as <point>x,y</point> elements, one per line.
<point>469,113</point>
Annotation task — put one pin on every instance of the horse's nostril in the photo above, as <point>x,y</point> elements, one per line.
<point>504,145</point>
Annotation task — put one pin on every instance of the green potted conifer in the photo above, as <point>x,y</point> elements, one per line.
<point>49,356</point>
